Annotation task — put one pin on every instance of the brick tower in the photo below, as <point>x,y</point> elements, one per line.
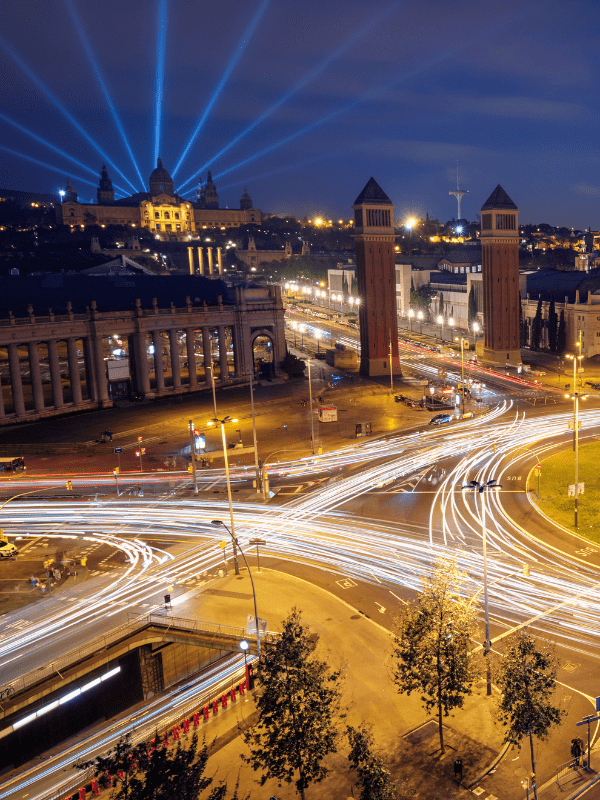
<point>376,276</point>
<point>500,268</point>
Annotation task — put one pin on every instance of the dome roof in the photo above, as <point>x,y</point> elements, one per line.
<point>160,174</point>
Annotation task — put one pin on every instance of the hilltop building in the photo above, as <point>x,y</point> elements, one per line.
<point>167,215</point>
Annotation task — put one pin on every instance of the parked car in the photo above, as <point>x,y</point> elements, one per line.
<point>593,384</point>
<point>440,419</point>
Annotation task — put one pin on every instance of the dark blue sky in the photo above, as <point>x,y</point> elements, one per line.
<point>506,89</point>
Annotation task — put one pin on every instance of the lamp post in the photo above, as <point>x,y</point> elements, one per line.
<point>480,488</point>
<point>462,368</point>
<point>302,328</point>
<point>411,314</point>
<point>244,648</point>
<point>312,422</point>
<point>256,462</point>
<point>223,422</point>
<point>318,335</point>
<point>193,454</point>
<point>420,318</point>
<point>440,321</point>
<point>391,368</point>
<point>475,332</point>
<point>576,397</point>
<point>220,524</point>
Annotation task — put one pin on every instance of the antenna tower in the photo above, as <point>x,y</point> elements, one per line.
<point>459,193</point>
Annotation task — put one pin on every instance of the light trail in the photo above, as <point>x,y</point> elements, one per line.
<point>46,166</point>
<point>235,58</point>
<point>161,36</point>
<point>104,88</point>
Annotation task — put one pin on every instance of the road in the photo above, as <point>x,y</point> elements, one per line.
<point>367,525</point>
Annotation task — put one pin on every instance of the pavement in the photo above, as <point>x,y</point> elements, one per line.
<point>404,734</point>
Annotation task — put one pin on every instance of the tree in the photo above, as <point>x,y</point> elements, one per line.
<point>472,305</point>
<point>526,677</point>
<point>293,365</point>
<point>374,777</point>
<point>421,297</point>
<point>139,772</point>
<point>536,327</point>
<point>552,327</point>
<point>298,703</point>
<point>431,644</point>
<point>441,304</point>
<point>561,337</point>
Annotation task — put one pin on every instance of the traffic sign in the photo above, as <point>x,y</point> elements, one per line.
<point>118,450</point>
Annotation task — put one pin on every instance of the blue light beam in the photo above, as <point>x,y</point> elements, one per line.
<point>90,54</point>
<point>23,66</point>
<point>47,166</point>
<point>236,56</point>
<point>161,38</point>
<point>310,76</point>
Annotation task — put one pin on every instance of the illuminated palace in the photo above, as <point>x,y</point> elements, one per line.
<point>169,216</point>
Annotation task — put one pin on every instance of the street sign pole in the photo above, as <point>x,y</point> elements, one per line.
<point>587,721</point>
<point>257,542</point>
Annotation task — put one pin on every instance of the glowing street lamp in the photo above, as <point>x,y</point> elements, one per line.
<point>420,318</point>
<point>440,322</point>
<point>475,332</point>
<point>224,422</point>
<point>318,335</point>
<point>480,488</point>
<point>576,397</point>
<point>302,328</point>
<point>463,342</point>
<point>411,314</point>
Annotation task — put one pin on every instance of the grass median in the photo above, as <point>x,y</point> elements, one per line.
<point>558,473</point>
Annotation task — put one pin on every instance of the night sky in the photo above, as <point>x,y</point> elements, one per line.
<point>400,91</point>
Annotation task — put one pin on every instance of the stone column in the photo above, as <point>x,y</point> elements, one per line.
<point>89,368</point>
<point>223,353</point>
<point>57,392</point>
<point>219,261</point>
<point>100,365</point>
<point>237,356</point>
<point>16,380</point>
<point>2,411</point>
<point>200,260</point>
<point>210,262</point>
<point>158,362</point>
<point>141,357</point>
<point>191,357</point>
<point>36,376</point>
<point>74,374</point>
<point>174,346</point>
<point>206,347</point>
<point>191,259</point>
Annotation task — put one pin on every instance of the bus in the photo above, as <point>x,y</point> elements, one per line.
<point>12,465</point>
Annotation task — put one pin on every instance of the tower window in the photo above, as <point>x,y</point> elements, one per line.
<point>167,215</point>
<point>506,222</point>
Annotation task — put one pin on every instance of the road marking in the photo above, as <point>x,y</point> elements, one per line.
<point>381,608</point>
<point>346,583</point>
<point>399,598</point>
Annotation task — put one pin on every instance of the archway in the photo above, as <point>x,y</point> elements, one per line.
<point>263,355</point>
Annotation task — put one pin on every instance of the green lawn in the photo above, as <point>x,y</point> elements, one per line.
<point>558,472</point>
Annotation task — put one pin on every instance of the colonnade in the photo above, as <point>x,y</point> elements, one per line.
<point>211,264</point>
<point>96,375</point>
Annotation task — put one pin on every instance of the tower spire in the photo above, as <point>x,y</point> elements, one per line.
<point>459,193</point>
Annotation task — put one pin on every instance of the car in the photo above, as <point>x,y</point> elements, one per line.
<point>466,415</point>
<point>7,550</point>
<point>320,356</point>
<point>440,419</point>
<point>593,384</point>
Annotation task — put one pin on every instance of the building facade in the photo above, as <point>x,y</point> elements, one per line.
<point>374,237</point>
<point>143,335</point>
<point>500,270</point>
<point>167,215</point>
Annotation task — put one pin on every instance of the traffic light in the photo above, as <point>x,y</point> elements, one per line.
<point>116,471</point>
<point>69,486</point>
<point>143,450</point>
<point>137,453</point>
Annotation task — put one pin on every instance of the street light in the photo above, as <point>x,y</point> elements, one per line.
<point>411,314</point>
<point>463,342</point>
<point>318,335</point>
<point>218,523</point>
<point>312,422</point>
<point>302,328</point>
<point>440,322</point>
<point>244,646</point>
<point>576,397</point>
<point>420,318</point>
<point>475,332</point>
<point>223,422</point>
<point>193,454</point>
<point>480,488</point>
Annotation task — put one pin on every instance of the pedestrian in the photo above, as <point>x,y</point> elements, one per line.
<point>458,769</point>
<point>581,748</point>
<point>575,752</point>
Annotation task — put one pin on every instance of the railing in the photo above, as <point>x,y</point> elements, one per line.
<point>570,768</point>
<point>102,642</point>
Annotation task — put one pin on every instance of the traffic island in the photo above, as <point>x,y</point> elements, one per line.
<point>553,490</point>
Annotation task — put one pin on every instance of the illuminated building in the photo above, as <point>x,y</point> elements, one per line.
<point>167,215</point>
